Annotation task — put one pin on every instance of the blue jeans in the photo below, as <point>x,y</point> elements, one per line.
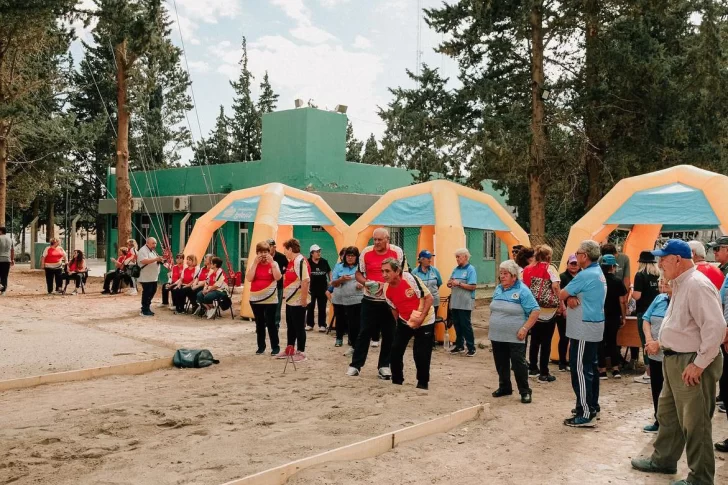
<point>583,360</point>
<point>463,328</point>
<point>210,297</point>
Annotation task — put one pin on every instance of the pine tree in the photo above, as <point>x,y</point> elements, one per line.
<point>372,154</point>
<point>268,99</point>
<point>244,124</point>
<point>217,147</point>
<point>353,146</point>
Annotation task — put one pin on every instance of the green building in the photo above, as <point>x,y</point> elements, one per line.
<point>304,148</point>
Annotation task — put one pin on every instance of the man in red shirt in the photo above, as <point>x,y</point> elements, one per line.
<point>374,309</point>
<point>712,272</point>
<point>411,304</point>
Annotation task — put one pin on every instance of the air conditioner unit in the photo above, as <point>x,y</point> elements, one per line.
<point>137,205</point>
<point>181,203</point>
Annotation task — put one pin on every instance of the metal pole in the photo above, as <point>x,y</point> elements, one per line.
<point>33,240</point>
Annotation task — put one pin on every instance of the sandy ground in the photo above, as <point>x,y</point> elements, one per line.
<point>213,425</point>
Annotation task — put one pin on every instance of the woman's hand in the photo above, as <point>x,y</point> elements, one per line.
<point>522,332</point>
<point>572,302</point>
<point>652,347</point>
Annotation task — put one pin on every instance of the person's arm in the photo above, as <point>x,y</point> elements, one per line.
<point>424,308</point>
<point>43,258</point>
<point>12,254</point>
<point>150,260</point>
<point>305,283</point>
<point>438,276</point>
<point>471,282</point>
<point>532,318</point>
<point>250,274</point>
<point>705,308</point>
<point>360,277</point>
<point>277,275</point>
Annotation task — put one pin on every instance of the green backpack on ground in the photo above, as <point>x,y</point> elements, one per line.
<point>191,358</point>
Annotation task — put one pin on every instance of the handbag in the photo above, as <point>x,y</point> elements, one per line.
<point>543,291</point>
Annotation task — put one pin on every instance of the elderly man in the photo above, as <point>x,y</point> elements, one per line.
<point>149,262</point>
<point>374,309</point>
<point>690,338</point>
<point>462,282</point>
<point>720,250</point>
<point>585,296</point>
<point>282,262</point>
<point>713,273</point>
<point>723,445</point>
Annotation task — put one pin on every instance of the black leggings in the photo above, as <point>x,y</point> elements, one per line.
<point>656,380</point>
<point>296,323</point>
<point>563,340</point>
<point>608,345</point>
<point>53,275</point>
<point>347,321</point>
<point>265,319</point>
<point>541,335</point>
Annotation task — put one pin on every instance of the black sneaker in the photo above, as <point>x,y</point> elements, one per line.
<point>106,292</point>
<point>422,386</point>
<point>532,373</point>
<point>580,422</point>
<point>146,314</point>
<point>602,376</point>
<point>526,398</point>
<point>616,374</point>
<point>500,393</point>
<point>260,352</point>
<point>275,351</point>
<point>471,353</point>
<point>548,378</point>
<point>564,368</point>
<point>457,350</point>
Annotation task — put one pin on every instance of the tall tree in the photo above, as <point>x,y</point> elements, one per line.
<point>418,134</point>
<point>217,148</point>
<point>372,155</point>
<point>33,42</point>
<point>244,124</point>
<point>353,146</point>
<point>268,99</point>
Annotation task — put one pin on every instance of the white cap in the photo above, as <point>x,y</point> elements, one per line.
<point>314,247</point>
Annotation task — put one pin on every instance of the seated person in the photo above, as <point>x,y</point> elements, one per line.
<point>182,288</point>
<point>173,275</point>
<point>215,288</point>
<point>198,284</point>
<point>112,279</point>
<point>76,270</point>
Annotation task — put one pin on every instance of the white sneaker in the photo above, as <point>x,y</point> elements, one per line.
<point>211,313</point>
<point>132,292</point>
<point>352,371</point>
<point>322,329</point>
<point>375,343</point>
<point>643,379</point>
<point>349,352</point>
<point>161,305</point>
<point>385,373</point>
<point>171,307</point>
<point>75,292</point>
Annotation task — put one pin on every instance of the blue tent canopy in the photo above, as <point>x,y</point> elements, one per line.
<point>675,207</point>
<point>415,211</point>
<point>294,212</point>
<point>477,215</point>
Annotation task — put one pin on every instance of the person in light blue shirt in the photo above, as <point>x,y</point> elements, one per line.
<point>513,311</point>
<point>584,296</point>
<point>346,298</point>
<point>429,275</point>
<point>462,301</point>
<point>651,323</point>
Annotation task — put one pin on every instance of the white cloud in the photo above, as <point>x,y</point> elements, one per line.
<point>305,30</point>
<point>361,42</point>
<point>208,11</point>
<point>332,3</point>
<point>328,74</point>
<point>199,66</point>
<point>295,9</point>
<point>311,34</point>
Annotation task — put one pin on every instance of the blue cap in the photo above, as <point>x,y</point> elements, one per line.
<point>674,247</point>
<point>609,260</point>
<point>425,254</point>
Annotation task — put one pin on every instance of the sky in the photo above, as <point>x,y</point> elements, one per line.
<point>329,51</point>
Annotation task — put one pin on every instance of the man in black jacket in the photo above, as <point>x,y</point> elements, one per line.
<point>320,277</point>
<point>282,262</point>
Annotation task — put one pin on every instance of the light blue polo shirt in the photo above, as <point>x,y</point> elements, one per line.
<point>461,299</point>
<point>655,314</point>
<point>432,280</point>
<point>346,293</point>
<point>509,310</point>
<point>586,321</point>
<point>724,298</point>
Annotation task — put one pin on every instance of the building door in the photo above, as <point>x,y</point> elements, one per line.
<point>244,246</point>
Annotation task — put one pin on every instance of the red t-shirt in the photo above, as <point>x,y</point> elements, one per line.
<point>203,274</point>
<point>188,274</point>
<point>405,297</point>
<point>53,255</point>
<point>370,264</point>
<point>72,268</point>
<point>297,272</point>
<point>176,272</point>
<point>264,288</point>
<point>713,273</point>
<point>212,277</point>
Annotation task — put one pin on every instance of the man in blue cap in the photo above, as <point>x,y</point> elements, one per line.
<point>690,337</point>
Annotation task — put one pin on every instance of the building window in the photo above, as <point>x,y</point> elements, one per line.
<point>396,236</point>
<point>489,245</point>
<point>317,229</point>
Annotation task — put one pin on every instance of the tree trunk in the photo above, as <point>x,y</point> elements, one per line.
<point>536,172</point>
<point>123,186</point>
<point>51,225</point>
<point>595,145</point>
<point>3,171</point>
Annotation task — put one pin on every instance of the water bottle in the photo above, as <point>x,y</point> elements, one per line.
<point>446,340</point>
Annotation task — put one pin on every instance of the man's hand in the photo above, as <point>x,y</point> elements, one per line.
<point>416,322</point>
<point>691,375</point>
<point>652,348</point>
<point>572,302</point>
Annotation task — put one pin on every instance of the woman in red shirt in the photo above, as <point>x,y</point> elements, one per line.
<point>76,270</point>
<point>182,286</point>
<point>198,284</point>
<point>173,275</point>
<point>263,275</point>
<point>52,262</point>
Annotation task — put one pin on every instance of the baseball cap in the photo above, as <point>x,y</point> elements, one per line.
<point>572,259</point>
<point>425,254</point>
<point>609,260</point>
<point>314,247</point>
<point>674,247</point>
<point>721,241</point>
<point>271,242</point>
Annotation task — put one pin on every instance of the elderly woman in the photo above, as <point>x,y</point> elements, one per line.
<point>52,262</point>
<point>429,275</point>
<point>76,270</point>
<point>541,270</point>
<point>645,291</point>
<point>263,275</point>
<point>182,288</point>
<point>651,322</point>
<point>462,301</point>
<point>513,311</point>
<point>347,297</point>
<point>131,259</point>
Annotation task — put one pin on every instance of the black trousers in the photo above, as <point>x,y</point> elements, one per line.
<point>75,277</point>
<point>421,351</point>
<point>656,380</point>
<point>166,290</point>
<point>723,383</point>
<point>296,323</point>
<point>179,297</point>
<point>347,321</point>
<point>53,275</point>
<point>192,295</point>
<point>585,376</point>
<point>321,301</point>
<point>4,272</point>
<point>563,339</point>
<point>608,345</point>
<point>148,292</point>
<point>374,315</point>
<point>265,319</point>
<point>541,335</point>
<point>509,355</point>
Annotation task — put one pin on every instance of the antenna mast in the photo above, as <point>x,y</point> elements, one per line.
<point>419,39</point>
